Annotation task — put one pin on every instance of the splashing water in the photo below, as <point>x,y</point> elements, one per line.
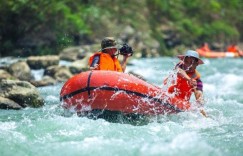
<point>45,131</point>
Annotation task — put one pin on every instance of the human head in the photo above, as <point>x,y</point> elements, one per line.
<point>108,43</point>
<point>191,53</point>
<point>190,60</point>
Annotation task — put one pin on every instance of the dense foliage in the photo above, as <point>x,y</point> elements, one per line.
<point>33,27</point>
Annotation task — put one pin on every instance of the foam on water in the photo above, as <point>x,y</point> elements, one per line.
<point>45,131</point>
<point>37,74</point>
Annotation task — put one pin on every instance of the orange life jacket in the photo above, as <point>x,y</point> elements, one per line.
<point>232,49</point>
<point>182,88</point>
<point>106,62</point>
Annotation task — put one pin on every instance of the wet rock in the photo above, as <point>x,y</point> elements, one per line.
<point>80,65</point>
<point>59,73</point>
<point>5,75</point>
<point>38,62</point>
<point>21,92</point>
<point>21,70</point>
<point>72,53</point>
<point>46,81</point>
<point>8,104</point>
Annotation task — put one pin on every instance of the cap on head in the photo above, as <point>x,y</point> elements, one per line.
<point>191,53</point>
<point>108,42</point>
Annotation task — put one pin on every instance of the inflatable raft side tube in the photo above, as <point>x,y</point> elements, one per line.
<point>115,89</point>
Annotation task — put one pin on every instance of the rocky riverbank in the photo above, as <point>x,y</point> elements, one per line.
<point>18,86</point>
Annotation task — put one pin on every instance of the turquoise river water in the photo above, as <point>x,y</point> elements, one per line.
<point>46,132</point>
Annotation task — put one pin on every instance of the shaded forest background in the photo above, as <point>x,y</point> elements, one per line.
<point>40,27</point>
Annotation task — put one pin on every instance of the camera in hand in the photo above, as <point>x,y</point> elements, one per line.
<point>126,50</point>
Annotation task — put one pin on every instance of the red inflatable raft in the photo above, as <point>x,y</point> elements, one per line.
<point>116,91</point>
<point>213,54</point>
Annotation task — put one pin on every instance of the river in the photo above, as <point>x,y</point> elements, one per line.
<point>45,131</point>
